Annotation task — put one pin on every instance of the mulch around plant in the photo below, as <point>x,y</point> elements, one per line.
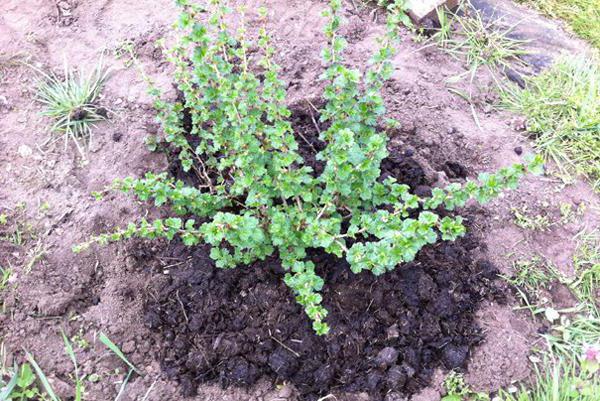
<point>388,333</point>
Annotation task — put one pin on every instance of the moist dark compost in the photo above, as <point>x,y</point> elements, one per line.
<point>389,333</point>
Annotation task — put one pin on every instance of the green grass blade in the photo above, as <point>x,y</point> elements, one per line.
<point>149,391</point>
<point>42,377</point>
<point>117,351</point>
<point>10,386</point>
<point>69,350</point>
<point>71,354</point>
<point>123,385</point>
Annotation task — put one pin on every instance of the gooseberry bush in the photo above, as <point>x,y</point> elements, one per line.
<point>257,196</point>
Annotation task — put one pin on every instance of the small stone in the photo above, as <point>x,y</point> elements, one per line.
<point>25,151</point>
<point>421,10</point>
<point>392,332</point>
<point>452,130</point>
<point>102,111</point>
<point>395,397</point>
<point>285,392</point>
<point>428,141</point>
<point>442,180</point>
<point>386,357</point>
<point>519,124</point>
<point>409,370</point>
<point>64,5</point>
<point>4,102</point>
<point>519,150</point>
<point>373,379</point>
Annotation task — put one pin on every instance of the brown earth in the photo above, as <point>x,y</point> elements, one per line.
<point>112,289</point>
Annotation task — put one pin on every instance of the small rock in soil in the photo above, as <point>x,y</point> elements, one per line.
<point>519,150</point>
<point>409,128</point>
<point>324,375</point>
<point>455,356</point>
<point>519,124</point>
<point>395,397</point>
<point>386,357</point>
<point>392,332</point>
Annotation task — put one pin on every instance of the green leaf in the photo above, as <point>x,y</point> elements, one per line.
<point>8,389</point>
<point>117,351</point>
<point>42,377</point>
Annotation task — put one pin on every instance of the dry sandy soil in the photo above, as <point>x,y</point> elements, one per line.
<point>48,189</point>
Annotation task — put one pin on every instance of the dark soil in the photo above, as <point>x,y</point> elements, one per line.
<point>388,333</point>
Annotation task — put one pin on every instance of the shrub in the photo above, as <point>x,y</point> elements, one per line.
<point>258,197</point>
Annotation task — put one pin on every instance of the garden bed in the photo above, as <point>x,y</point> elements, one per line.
<point>200,333</point>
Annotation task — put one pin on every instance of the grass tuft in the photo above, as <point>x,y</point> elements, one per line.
<point>562,382</point>
<point>587,266</point>
<point>562,106</point>
<point>483,44</point>
<point>70,101</point>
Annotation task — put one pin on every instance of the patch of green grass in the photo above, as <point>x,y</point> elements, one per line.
<point>17,383</point>
<point>484,44</point>
<point>24,383</point>
<point>569,214</point>
<point>530,221</point>
<point>4,277</point>
<point>563,114</point>
<point>458,390</point>
<point>531,274</point>
<point>16,230</point>
<point>70,100</point>
<point>480,45</point>
<point>587,267</point>
<point>583,16</point>
<point>444,33</point>
<point>560,381</point>
<point>569,339</point>
<point>569,368</point>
